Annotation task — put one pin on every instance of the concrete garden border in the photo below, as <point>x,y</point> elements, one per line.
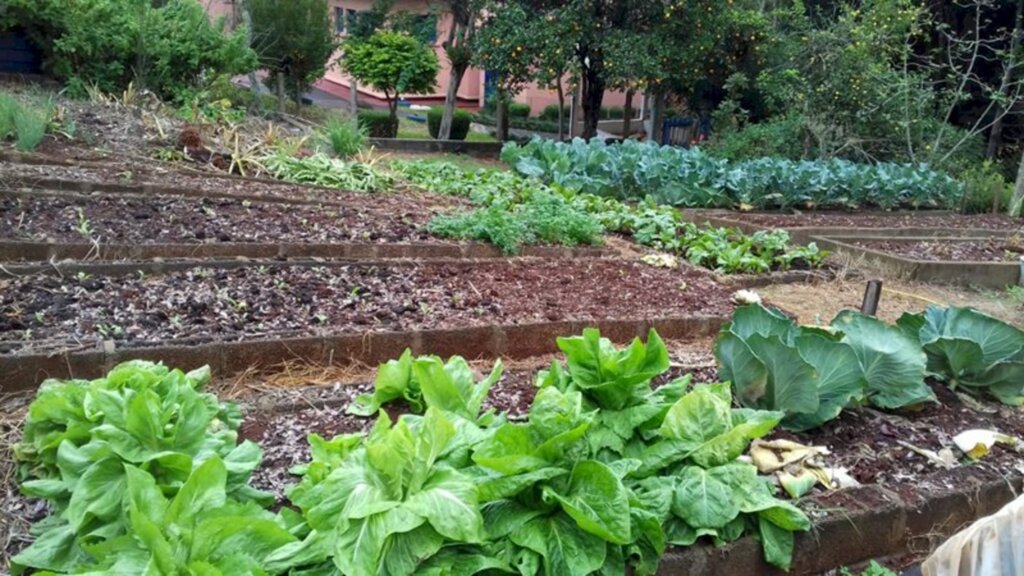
<point>874,523</point>
<point>27,371</point>
<point>807,234</point>
<point>14,251</point>
<point>994,275</point>
<point>489,150</point>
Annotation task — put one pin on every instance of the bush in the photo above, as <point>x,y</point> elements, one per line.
<point>550,113</point>
<point>110,43</point>
<point>985,190</point>
<point>780,137</point>
<point>613,113</point>
<point>460,123</point>
<point>518,110</point>
<point>378,124</point>
<point>345,138</point>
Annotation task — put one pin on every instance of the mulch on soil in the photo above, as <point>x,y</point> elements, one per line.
<point>988,250</point>
<point>173,219</point>
<point>877,220</point>
<point>137,173</point>
<point>42,312</point>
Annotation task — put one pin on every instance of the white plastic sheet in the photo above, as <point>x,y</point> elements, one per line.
<point>992,546</point>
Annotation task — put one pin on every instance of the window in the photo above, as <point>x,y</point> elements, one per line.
<point>426,28</point>
<point>339,20</point>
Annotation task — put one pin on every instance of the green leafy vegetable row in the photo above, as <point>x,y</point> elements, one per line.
<point>812,373</point>
<point>604,474</point>
<point>692,178</point>
<point>517,210</point>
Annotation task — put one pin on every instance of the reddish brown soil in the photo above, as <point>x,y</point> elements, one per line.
<point>990,250</point>
<point>174,219</point>
<point>200,304</point>
<point>877,220</point>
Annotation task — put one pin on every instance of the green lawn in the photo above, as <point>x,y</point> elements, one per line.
<point>409,130</point>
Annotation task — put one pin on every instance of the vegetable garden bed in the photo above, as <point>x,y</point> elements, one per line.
<point>948,249</point>
<point>805,226</point>
<point>890,252</point>
<point>147,179</point>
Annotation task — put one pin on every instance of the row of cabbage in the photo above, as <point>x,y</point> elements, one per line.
<point>693,178</point>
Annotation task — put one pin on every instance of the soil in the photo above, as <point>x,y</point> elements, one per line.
<point>42,312</point>
<point>149,172</point>
<point>877,220</point>
<point>989,250</point>
<point>173,219</point>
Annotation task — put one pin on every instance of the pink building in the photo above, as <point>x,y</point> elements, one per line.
<point>471,92</point>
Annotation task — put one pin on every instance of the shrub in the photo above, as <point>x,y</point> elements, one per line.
<point>378,123</point>
<point>518,110</point>
<point>109,43</point>
<point>550,113</point>
<point>613,113</point>
<point>345,138</point>
<point>985,190</point>
<point>8,111</point>
<point>460,123</point>
<point>780,137</point>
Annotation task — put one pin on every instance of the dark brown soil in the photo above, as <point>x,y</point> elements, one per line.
<point>877,220</point>
<point>174,219</point>
<point>40,312</point>
<point>135,173</point>
<point>989,250</point>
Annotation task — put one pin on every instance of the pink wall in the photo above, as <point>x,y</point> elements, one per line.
<point>471,91</point>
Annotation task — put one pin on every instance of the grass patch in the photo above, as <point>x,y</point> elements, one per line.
<point>345,138</point>
<point>23,122</point>
<point>409,130</point>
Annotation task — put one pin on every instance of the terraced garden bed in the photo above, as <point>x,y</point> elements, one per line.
<point>49,313</point>
<point>167,219</point>
<point>949,250</point>
<point>901,219</point>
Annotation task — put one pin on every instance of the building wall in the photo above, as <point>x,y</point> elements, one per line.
<point>471,91</point>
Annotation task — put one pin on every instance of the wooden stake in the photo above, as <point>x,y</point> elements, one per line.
<point>872,294</point>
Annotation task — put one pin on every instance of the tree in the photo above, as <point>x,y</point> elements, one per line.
<point>504,46</point>
<point>458,48</point>
<point>393,63</point>
<point>294,40</point>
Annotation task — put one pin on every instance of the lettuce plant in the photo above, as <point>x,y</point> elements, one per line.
<point>449,386</point>
<point>82,438</point>
<point>970,350</point>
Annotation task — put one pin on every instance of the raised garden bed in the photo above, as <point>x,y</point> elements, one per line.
<point>948,250</point>
<point>803,227</point>
<point>892,253</point>
<point>150,180</point>
<point>905,507</point>
<point>166,219</point>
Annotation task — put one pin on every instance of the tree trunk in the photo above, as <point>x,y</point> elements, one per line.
<point>627,114</point>
<point>353,98</point>
<point>280,92</point>
<point>444,132</point>
<point>593,95</point>
<point>561,110</point>
<point>254,81</point>
<point>995,137</point>
<point>502,118</point>
<point>1018,191</point>
<point>657,116</point>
